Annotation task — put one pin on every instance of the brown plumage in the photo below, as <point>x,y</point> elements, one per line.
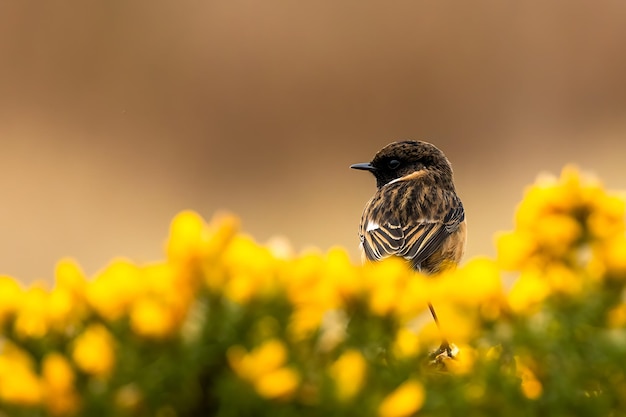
<point>415,213</point>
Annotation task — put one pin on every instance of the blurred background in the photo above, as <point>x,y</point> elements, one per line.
<point>115,115</point>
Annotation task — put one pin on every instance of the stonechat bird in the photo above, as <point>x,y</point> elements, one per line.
<point>415,213</point>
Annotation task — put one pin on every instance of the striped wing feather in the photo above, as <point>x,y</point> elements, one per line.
<point>415,241</point>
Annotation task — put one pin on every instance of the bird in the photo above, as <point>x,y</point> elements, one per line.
<point>415,213</point>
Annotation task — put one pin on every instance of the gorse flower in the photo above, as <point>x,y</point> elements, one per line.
<point>224,325</point>
<point>349,373</point>
<point>265,368</point>
<point>19,383</point>
<point>58,383</point>
<point>94,351</point>
<point>559,216</point>
<point>407,399</point>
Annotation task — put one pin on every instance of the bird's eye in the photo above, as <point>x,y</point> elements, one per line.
<point>393,164</point>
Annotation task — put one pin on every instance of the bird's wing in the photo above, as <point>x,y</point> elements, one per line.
<point>429,237</point>
<point>381,240</point>
<point>416,240</point>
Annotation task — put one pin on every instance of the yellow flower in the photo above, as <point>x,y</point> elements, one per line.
<point>162,278</point>
<point>277,384</point>
<point>340,271</point>
<point>349,373</point>
<point>173,286</point>
<point>528,291</point>
<point>251,269</point>
<point>462,361</point>
<point>386,280</point>
<point>266,358</point>
<point>32,313</point>
<point>457,324</point>
<point>475,284</point>
<point>531,387</point>
<point>303,280</point>
<point>607,213</point>
<point>150,318</point>
<point>563,279</point>
<point>18,382</point>
<point>263,368</point>
<point>304,321</point>
<point>537,202</point>
<point>58,383</point>
<point>220,232</point>
<point>556,213</point>
<point>413,298</point>
<point>191,239</point>
<point>617,316</point>
<point>310,292</point>
<point>556,232</point>
<point>186,236</point>
<point>61,307</point>
<point>549,196</point>
<point>94,351</point>
<point>22,388</point>
<point>515,249</point>
<point>57,373</point>
<point>406,400</point>
<point>70,277</point>
<point>613,253</point>
<point>406,344</point>
<point>241,288</point>
<point>115,288</point>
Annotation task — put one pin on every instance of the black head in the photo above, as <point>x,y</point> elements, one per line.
<point>399,159</point>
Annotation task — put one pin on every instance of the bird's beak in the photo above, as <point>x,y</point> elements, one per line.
<point>366,166</point>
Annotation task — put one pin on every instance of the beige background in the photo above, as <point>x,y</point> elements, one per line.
<point>115,115</point>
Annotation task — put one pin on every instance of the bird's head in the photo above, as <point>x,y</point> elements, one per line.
<point>406,160</point>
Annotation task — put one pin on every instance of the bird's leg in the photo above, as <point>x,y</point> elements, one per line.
<point>445,346</point>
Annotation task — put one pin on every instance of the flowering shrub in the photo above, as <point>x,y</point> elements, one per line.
<point>224,326</point>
